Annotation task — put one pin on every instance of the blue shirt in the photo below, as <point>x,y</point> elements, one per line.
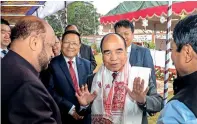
<point>175,112</point>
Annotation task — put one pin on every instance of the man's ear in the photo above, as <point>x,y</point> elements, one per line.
<point>188,53</point>
<point>33,42</point>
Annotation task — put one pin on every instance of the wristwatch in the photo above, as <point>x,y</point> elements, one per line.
<point>142,104</point>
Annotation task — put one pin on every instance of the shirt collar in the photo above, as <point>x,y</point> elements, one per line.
<point>4,49</point>
<point>185,81</point>
<point>67,59</point>
<point>111,72</point>
<point>129,49</point>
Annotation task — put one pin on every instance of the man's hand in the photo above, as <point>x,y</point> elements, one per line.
<point>106,121</point>
<point>138,94</point>
<point>84,96</point>
<point>76,116</point>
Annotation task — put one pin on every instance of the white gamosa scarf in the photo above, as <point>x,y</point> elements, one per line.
<point>112,101</point>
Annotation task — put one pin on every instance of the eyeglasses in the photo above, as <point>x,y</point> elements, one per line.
<point>69,43</point>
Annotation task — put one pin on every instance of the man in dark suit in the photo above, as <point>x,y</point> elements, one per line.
<point>25,100</point>
<point>138,56</point>
<point>85,50</point>
<point>5,37</point>
<point>69,72</point>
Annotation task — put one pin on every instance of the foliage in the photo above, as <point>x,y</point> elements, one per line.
<point>84,15</point>
<point>149,45</point>
<point>159,72</point>
<point>94,48</point>
<point>57,21</point>
<point>85,41</point>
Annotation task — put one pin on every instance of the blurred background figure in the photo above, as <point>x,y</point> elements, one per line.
<point>57,47</point>
<point>5,37</point>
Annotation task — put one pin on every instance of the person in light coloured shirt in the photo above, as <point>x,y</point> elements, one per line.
<point>182,108</point>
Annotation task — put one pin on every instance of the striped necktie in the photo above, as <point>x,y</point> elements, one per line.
<point>73,75</point>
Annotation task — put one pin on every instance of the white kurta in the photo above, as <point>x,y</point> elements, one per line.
<point>122,109</point>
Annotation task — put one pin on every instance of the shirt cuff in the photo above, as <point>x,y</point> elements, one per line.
<point>83,107</point>
<point>72,110</point>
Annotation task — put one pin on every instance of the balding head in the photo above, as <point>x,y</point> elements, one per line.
<point>71,27</point>
<point>113,48</point>
<point>112,35</point>
<point>33,39</point>
<point>28,25</point>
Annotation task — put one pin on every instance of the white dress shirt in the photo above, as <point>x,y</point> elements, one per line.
<point>74,64</point>
<point>2,54</point>
<point>128,51</point>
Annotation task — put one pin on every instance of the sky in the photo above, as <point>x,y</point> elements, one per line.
<point>104,7</point>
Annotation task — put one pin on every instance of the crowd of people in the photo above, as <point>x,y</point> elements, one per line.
<point>52,81</point>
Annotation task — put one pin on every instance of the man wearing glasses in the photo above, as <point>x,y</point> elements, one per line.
<point>68,73</point>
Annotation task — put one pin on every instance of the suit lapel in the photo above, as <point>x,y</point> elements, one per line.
<point>79,70</point>
<point>133,55</point>
<point>65,70</point>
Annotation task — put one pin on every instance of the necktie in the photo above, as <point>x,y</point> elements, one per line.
<point>73,75</point>
<point>4,52</point>
<point>114,75</point>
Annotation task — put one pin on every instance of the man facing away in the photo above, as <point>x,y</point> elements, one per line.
<point>137,55</point>
<point>182,108</point>
<point>121,99</point>
<point>5,37</point>
<point>25,100</point>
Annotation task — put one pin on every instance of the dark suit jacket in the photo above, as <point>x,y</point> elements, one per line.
<point>24,99</point>
<point>141,56</point>
<point>153,100</point>
<point>62,89</point>
<point>86,53</point>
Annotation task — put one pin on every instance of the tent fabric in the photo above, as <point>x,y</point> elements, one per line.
<point>12,13</point>
<point>132,6</point>
<point>138,10</point>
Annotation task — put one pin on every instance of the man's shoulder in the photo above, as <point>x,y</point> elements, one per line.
<point>56,59</point>
<point>18,77</point>
<point>140,48</point>
<point>85,46</point>
<point>83,60</point>
<point>176,111</point>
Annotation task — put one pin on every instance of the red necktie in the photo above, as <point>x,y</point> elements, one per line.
<point>73,75</point>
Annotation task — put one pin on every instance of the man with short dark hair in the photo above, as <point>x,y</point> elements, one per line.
<point>68,73</point>
<point>85,50</point>
<point>24,99</point>
<point>5,37</point>
<point>138,56</point>
<point>182,108</point>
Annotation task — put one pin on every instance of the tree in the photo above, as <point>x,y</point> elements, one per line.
<point>82,14</point>
<point>57,21</point>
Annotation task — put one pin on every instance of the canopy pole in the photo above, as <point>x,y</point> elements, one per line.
<point>66,21</point>
<point>167,56</point>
